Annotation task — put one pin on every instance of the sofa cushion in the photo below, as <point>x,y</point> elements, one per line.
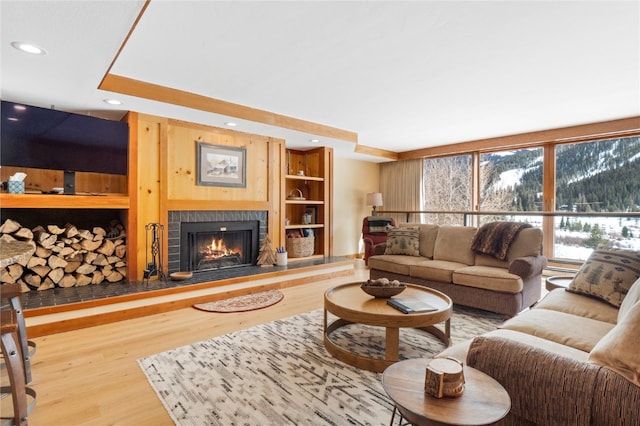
<point>540,343</point>
<point>619,350</point>
<point>527,243</point>
<point>607,274</point>
<point>404,240</point>
<point>571,330</point>
<point>428,234</point>
<point>435,270</point>
<point>577,304</point>
<point>489,278</point>
<point>632,297</point>
<point>453,243</point>
<point>395,263</point>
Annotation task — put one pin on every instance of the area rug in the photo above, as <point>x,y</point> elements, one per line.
<point>279,373</point>
<point>244,303</point>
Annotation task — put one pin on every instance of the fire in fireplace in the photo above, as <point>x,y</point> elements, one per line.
<point>215,245</point>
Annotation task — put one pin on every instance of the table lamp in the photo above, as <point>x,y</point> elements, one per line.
<point>374,199</point>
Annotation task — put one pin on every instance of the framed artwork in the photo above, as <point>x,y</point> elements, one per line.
<point>220,165</point>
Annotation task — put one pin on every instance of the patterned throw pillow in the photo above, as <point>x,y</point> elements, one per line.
<point>607,274</point>
<point>379,224</point>
<point>404,240</point>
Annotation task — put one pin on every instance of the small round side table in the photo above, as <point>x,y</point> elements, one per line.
<point>552,283</point>
<point>484,400</point>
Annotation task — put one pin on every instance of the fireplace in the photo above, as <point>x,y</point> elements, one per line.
<point>206,246</point>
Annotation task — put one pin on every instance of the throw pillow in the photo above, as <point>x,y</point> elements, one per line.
<point>618,350</point>
<point>379,224</point>
<point>632,297</point>
<point>403,240</point>
<point>607,274</point>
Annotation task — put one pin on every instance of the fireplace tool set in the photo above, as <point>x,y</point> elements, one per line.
<point>154,233</point>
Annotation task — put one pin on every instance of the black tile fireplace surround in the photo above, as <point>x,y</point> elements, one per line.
<point>177,218</point>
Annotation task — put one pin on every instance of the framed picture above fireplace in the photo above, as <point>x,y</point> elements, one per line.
<point>220,165</point>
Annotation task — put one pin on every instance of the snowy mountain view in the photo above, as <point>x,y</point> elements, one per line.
<point>601,177</point>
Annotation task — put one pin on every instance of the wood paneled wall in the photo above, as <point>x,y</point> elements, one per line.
<point>45,180</point>
<point>165,175</point>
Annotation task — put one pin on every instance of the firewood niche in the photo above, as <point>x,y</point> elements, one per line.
<point>67,256</point>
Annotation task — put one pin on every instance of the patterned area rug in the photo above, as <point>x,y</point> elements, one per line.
<point>244,303</point>
<point>279,373</point>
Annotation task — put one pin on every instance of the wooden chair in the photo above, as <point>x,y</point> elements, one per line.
<point>16,356</point>
<point>14,362</point>
<point>11,293</point>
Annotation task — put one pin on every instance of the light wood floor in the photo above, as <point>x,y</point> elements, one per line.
<point>91,377</point>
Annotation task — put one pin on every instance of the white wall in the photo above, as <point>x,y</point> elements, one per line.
<point>352,180</point>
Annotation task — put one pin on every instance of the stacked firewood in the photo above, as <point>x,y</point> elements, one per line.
<point>67,256</point>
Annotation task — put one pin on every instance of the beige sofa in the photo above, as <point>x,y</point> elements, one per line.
<point>444,261</point>
<point>571,360</point>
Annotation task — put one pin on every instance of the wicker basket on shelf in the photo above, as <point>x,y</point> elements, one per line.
<point>300,247</point>
<point>295,195</point>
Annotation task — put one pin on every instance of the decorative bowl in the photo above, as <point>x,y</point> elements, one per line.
<point>382,291</point>
<point>181,276</point>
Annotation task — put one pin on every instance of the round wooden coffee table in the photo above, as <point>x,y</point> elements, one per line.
<point>483,401</point>
<point>352,305</point>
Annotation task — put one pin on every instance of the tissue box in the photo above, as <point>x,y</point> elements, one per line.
<point>16,187</point>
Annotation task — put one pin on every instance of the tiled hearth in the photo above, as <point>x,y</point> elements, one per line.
<point>61,296</point>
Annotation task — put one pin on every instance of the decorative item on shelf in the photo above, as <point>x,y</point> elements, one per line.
<point>382,288</point>
<point>374,199</point>
<point>306,218</point>
<point>266,257</point>
<point>16,183</point>
<point>295,195</point>
<point>444,378</point>
<point>300,244</point>
<point>300,172</point>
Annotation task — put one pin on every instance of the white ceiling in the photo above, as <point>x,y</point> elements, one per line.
<point>402,75</point>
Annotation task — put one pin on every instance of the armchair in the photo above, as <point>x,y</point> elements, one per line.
<point>374,233</point>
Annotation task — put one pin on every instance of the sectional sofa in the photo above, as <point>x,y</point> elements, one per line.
<point>505,281</point>
<point>574,358</point>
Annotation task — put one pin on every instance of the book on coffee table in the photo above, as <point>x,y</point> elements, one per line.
<point>408,305</point>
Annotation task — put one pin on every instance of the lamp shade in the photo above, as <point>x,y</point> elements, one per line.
<point>374,199</point>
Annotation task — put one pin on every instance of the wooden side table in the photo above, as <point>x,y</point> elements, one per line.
<point>484,400</point>
<point>552,283</point>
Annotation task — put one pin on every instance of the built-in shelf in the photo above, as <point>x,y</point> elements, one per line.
<point>298,177</point>
<point>302,225</point>
<point>312,190</point>
<point>304,202</point>
<point>53,201</point>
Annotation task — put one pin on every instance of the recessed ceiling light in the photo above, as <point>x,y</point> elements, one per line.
<point>314,140</point>
<point>12,119</point>
<point>19,107</point>
<point>231,124</point>
<point>112,101</point>
<point>28,48</point>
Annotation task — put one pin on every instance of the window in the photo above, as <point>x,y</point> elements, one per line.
<point>511,180</point>
<point>447,187</point>
<point>602,177</point>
